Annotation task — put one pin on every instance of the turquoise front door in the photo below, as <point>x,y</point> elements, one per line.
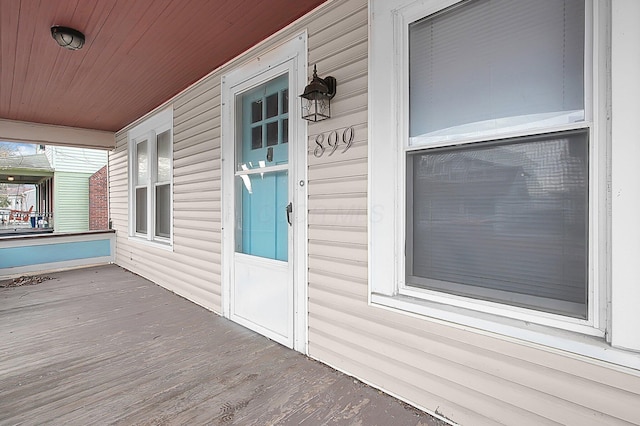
<point>263,159</point>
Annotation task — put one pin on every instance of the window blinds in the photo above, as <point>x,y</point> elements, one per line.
<point>483,65</point>
<point>504,222</point>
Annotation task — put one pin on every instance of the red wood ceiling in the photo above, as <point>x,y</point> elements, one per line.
<point>138,53</point>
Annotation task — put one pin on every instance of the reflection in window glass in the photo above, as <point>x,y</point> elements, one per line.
<point>141,210</point>
<point>272,105</point>
<point>163,213</point>
<point>507,65</point>
<point>142,161</point>
<point>164,157</point>
<point>272,133</point>
<point>503,222</point>
<point>256,111</point>
<point>256,137</point>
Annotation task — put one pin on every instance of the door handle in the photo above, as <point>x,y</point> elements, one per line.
<point>289,209</point>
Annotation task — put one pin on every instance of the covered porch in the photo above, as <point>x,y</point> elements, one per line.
<point>102,345</point>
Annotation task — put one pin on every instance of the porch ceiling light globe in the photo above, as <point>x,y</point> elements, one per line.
<point>67,37</point>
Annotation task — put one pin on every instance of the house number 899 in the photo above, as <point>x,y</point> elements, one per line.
<point>333,140</point>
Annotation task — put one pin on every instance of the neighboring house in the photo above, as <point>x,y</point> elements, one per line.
<point>99,200</point>
<point>20,173</point>
<point>73,169</point>
<point>462,232</point>
<point>30,197</point>
<point>17,197</point>
<point>61,176</point>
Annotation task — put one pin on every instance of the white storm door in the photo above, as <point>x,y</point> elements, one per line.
<point>264,195</point>
<point>262,289</point>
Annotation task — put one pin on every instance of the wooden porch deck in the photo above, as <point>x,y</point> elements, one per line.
<point>104,346</point>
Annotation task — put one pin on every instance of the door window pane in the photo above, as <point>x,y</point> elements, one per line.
<point>272,133</point>
<point>256,111</point>
<point>272,105</point>
<point>163,212</point>
<point>141,210</point>
<point>164,157</point>
<point>505,222</point>
<point>261,222</point>
<point>256,137</point>
<point>491,65</point>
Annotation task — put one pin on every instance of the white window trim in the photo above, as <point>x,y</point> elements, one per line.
<point>388,117</point>
<point>155,125</point>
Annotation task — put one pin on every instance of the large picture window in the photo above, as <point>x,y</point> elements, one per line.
<point>151,171</point>
<point>499,219</point>
<point>490,203</point>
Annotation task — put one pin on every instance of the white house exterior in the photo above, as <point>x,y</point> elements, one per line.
<point>350,288</point>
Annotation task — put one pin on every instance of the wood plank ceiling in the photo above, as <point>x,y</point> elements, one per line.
<point>137,53</point>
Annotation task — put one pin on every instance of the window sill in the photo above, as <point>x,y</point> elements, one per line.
<point>163,245</point>
<point>568,342</point>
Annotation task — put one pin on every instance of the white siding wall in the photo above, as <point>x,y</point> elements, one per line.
<point>192,268</point>
<point>468,376</point>
<point>70,159</point>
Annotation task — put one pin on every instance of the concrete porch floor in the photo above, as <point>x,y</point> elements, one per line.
<point>104,346</point>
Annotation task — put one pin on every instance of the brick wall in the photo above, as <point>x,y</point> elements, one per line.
<point>98,199</point>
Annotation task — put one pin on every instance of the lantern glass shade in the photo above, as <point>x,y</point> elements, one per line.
<point>316,99</point>
<point>67,37</point>
<point>316,109</point>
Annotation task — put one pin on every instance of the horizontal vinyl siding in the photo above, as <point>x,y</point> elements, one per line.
<point>192,267</point>
<point>71,202</point>
<point>469,377</point>
<point>71,159</point>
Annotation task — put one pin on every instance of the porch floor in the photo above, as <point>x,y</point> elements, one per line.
<point>104,346</point>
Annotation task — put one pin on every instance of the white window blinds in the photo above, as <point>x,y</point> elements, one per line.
<point>485,66</point>
<point>503,222</point>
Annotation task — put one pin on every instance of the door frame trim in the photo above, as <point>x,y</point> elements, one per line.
<point>293,55</point>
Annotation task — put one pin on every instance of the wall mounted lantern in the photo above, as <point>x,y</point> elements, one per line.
<point>316,99</point>
<point>67,37</point>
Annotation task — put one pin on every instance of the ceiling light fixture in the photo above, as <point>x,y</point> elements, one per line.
<point>67,37</point>
<point>10,178</point>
